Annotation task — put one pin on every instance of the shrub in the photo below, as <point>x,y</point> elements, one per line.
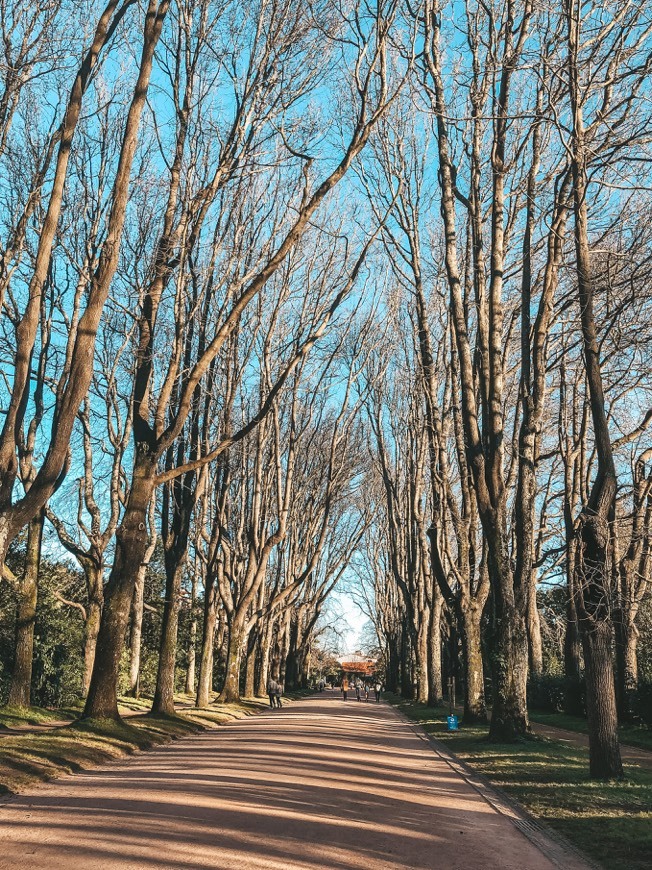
<point>546,693</point>
<point>642,702</point>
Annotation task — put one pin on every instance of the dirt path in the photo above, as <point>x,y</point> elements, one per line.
<point>629,754</point>
<point>323,785</point>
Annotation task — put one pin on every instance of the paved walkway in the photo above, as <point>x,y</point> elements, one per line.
<point>321,785</point>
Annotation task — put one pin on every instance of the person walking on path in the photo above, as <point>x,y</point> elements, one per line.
<point>357,690</point>
<point>378,690</point>
<point>345,688</point>
<point>279,692</point>
<point>272,686</point>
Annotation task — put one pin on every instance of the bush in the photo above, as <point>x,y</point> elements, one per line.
<point>642,702</point>
<point>546,693</point>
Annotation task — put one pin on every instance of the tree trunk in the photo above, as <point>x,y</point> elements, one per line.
<point>231,689</point>
<point>304,670</point>
<point>266,647</point>
<point>291,656</point>
<point>475,708</point>
<point>534,632</point>
<point>135,639</point>
<point>509,658</point>
<point>434,653</point>
<point>393,670</point>
<point>250,670</point>
<point>509,720</point>
<point>164,693</point>
<point>130,549</point>
<point>421,651</point>
<point>593,580</point>
<point>192,641</point>
<point>604,749</point>
<point>407,683</point>
<point>205,682</point>
<point>572,662</point>
<point>626,664</point>
<point>284,648</point>
<point>21,678</point>
<point>94,580</point>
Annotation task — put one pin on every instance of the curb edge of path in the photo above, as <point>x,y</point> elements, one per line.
<point>551,843</point>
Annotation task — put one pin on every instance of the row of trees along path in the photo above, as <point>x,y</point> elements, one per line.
<point>302,292</point>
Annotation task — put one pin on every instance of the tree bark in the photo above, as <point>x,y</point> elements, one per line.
<point>163,703</point>
<point>594,534</point>
<point>534,632</point>
<point>191,660</point>
<point>205,681</point>
<point>130,550</point>
<point>266,649</point>
<point>407,683</point>
<point>572,662</point>
<point>136,634</point>
<point>250,669</point>
<point>94,581</point>
<point>422,657</point>
<point>626,664</point>
<point>509,661</point>
<point>231,689</point>
<point>21,678</point>
<point>435,693</point>
<point>485,449</point>
<point>475,708</point>
<point>604,748</point>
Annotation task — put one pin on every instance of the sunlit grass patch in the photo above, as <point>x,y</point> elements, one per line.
<point>18,717</point>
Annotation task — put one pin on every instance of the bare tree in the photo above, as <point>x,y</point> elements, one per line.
<point>77,368</point>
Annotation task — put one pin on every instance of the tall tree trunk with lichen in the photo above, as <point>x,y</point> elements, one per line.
<point>21,677</point>
<point>593,578</point>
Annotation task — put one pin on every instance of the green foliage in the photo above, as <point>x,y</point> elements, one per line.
<point>58,643</point>
<point>642,702</point>
<point>644,625</point>
<point>551,602</point>
<point>58,632</point>
<point>546,693</point>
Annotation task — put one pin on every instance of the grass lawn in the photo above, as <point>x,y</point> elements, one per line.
<point>610,822</point>
<point>19,717</point>
<point>630,735</point>
<point>42,753</point>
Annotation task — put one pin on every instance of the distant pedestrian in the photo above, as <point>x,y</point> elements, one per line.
<point>345,688</point>
<point>279,692</point>
<point>271,691</point>
<point>357,690</point>
<point>378,689</point>
<point>366,692</point>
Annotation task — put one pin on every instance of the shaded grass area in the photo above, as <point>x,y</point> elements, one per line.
<point>40,753</point>
<point>630,735</point>
<point>610,822</point>
<point>18,717</point>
